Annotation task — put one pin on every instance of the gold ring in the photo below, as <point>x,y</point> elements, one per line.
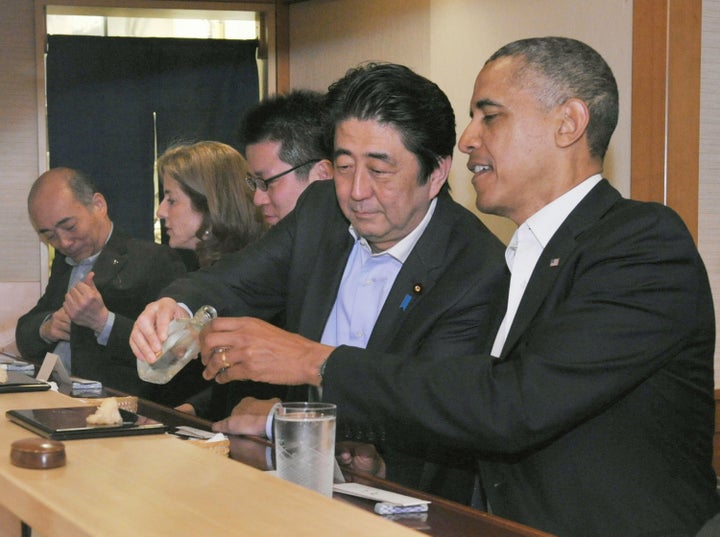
<point>223,359</point>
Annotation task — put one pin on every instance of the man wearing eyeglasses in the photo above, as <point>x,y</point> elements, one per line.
<point>284,145</point>
<point>381,258</point>
<point>285,150</point>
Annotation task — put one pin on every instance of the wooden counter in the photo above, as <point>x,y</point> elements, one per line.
<point>444,518</point>
<point>160,485</point>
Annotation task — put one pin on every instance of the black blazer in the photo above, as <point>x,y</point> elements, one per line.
<point>455,276</point>
<point>598,418</point>
<point>129,273</point>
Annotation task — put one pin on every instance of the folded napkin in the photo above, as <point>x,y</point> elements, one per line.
<point>84,386</point>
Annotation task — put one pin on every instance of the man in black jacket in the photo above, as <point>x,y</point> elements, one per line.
<point>100,281</point>
<point>381,258</point>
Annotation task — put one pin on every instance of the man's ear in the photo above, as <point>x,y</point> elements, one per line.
<point>574,119</point>
<point>99,202</point>
<point>439,176</point>
<point>321,171</point>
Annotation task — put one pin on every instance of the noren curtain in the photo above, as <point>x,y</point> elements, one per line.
<point>101,96</point>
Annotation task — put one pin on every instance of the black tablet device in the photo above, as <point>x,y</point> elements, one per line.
<point>71,423</point>
<point>20,382</point>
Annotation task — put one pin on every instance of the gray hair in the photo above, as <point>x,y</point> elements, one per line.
<point>570,69</point>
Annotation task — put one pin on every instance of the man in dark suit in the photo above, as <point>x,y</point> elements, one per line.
<point>593,414</point>
<point>380,258</point>
<point>100,281</point>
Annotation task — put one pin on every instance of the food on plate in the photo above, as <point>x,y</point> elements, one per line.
<point>108,413</point>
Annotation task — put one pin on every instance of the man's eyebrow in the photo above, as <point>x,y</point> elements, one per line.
<point>57,224</point>
<point>381,156</point>
<point>482,103</point>
<point>372,154</point>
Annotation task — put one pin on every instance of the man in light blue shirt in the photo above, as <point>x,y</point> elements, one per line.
<point>381,258</point>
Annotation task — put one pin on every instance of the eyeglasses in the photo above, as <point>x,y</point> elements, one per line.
<point>255,183</point>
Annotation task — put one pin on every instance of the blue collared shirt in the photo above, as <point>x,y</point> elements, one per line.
<point>365,286</point>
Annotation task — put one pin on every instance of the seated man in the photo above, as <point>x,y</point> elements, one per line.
<point>382,258</point>
<point>100,281</point>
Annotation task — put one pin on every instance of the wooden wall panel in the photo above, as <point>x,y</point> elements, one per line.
<point>666,104</point>
<point>683,116</point>
<point>649,94</point>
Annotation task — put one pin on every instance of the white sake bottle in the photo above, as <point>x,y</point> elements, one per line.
<point>181,346</point>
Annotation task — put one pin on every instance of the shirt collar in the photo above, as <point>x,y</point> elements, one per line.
<point>544,223</point>
<point>401,250</point>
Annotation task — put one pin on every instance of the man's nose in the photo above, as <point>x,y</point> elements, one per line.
<point>260,198</point>
<point>470,139</point>
<point>62,240</point>
<point>361,187</point>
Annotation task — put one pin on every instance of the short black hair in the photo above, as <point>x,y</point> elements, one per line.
<point>395,95</point>
<point>571,69</point>
<point>296,120</point>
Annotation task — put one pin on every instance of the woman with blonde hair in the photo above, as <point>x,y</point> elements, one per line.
<point>207,206</point>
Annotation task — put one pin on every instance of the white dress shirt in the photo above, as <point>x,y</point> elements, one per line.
<point>528,243</point>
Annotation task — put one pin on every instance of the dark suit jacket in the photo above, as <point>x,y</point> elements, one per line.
<point>296,268</point>
<point>129,273</point>
<point>598,418</point>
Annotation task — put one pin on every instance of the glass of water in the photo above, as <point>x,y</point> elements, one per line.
<point>305,444</point>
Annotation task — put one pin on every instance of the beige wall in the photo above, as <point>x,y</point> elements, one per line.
<point>709,204</point>
<point>448,41</point>
<point>20,267</point>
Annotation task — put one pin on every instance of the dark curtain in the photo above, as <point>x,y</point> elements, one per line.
<point>102,92</point>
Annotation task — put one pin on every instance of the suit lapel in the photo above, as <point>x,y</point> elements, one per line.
<point>111,261</point>
<point>556,254</point>
<point>327,272</point>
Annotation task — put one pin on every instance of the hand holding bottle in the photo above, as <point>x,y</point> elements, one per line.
<point>151,328</point>
<point>181,346</point>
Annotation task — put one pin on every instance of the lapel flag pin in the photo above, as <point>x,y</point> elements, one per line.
<point>555,261</point>
<point>417,289</point>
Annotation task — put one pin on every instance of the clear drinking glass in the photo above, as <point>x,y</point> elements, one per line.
<point>305,444</point>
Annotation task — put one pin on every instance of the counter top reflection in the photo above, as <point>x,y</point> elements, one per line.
<point>444,518</point>
<point>159,485</point>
